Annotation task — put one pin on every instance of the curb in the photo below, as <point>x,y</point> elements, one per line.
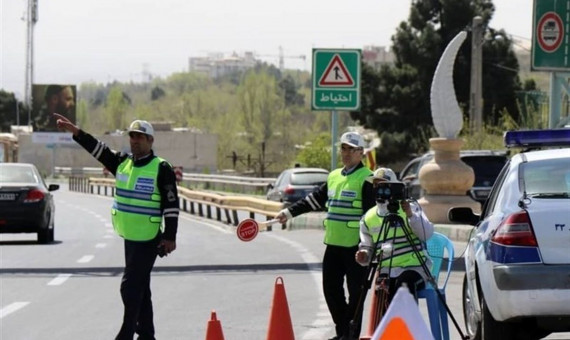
<point>455,232</point>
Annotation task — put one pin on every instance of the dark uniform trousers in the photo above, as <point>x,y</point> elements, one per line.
<point>338,262</point>
<point>135,289</point>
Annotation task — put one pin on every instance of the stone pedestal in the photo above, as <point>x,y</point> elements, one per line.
<point>446,180</point>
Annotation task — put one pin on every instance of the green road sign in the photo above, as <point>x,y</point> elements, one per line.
<point>336,79</point>
<point>549,45</point>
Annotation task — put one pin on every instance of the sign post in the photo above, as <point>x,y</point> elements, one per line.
<point>336,85</point>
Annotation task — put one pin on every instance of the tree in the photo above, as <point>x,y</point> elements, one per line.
<point>396,98</point>
<point>115,109</point>
<point>261,112</point>
<point>156,93</point>
<point>10,107</point>
<point>316,153</point>
<point>290,92</point>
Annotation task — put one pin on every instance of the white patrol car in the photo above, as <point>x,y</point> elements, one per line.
<point>517,263</point>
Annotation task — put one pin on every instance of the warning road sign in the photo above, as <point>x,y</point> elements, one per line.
<point>336,79</point>
<point>336,74</point>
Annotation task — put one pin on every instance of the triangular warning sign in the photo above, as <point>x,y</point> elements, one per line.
<point>396,329</point>
<point>403,320</point>
<point>336,74</point>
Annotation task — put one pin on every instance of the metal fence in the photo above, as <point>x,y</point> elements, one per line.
<point>205,204</point>
<point>224,183</point>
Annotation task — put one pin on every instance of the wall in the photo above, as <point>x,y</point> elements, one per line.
<point>193,151</point>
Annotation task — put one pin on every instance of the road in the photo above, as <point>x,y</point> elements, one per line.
<point>70,289</point>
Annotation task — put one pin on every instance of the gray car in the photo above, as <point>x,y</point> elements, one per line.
<point>295,183</point>
<point>486,165</point>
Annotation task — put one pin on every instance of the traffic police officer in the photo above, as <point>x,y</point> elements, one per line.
<point>399,260</point>
<point>346,195</point>
<point>145,195</point>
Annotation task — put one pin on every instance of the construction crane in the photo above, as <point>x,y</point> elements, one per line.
<point>282,57</point>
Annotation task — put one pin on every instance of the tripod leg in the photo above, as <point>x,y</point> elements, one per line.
<point>430,278</point>
<point>382,295</point>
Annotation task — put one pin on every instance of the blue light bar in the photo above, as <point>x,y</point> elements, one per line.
<point>536,138</point>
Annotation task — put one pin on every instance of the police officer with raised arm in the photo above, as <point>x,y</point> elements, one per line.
<point>145,195</point>
<point>347,196</point>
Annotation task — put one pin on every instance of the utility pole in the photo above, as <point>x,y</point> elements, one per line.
<point>475,95</point>
<point>31,19</point>
<point>281,60</point>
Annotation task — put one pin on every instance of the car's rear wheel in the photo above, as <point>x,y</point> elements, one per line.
<point>492,329</point>
<point>472,322</point>
<point>46,235</point>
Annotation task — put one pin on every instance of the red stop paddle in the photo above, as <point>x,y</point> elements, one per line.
<point>248,229</point>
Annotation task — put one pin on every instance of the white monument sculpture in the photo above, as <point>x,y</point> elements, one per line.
<point>446,178</point>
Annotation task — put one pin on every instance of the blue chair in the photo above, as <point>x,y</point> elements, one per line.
<point>436,247</point>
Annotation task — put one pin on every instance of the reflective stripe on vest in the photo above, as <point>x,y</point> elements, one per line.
<point>136,211</point>
<point>402,254</point>
<point>344,207</point>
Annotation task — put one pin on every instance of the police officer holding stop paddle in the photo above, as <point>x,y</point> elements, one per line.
<point>347,196</point>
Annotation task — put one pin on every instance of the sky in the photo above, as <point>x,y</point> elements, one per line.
<point>77,41</point>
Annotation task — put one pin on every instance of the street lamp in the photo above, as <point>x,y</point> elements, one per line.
<point>475,94</point>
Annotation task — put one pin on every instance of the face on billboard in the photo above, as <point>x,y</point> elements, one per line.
<point>49,99</point>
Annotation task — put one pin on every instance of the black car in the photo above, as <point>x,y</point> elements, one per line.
<point>26,202</point>
<point>295,183</point>
<point>486,165</point>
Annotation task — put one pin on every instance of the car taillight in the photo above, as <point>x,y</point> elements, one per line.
<point>33,196</point>
<point>289,190</point>
<point>516,230</point>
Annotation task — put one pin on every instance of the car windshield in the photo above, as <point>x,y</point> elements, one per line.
<point>308,178</point>
<point>548,178</point>
<point>486,168</point>
<point>17,174</point>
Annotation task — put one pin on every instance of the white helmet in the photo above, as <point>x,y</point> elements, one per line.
<point>385,174</point>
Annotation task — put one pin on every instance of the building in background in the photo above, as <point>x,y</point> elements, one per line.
<point>217,65</point>
<point>377,56</point>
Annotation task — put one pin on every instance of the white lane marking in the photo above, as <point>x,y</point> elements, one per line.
<point>109,225</point>
<point>11,308</point>
<point>100,245</point>
<point>108,236</point>
<point>58,280</point>
<point>85,259</point>
<point>213,226</point>
<point>323,324</point>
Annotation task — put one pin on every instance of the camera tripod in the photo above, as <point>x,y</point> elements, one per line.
<point>390,222</point>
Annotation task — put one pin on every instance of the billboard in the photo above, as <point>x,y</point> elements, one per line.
<point>48,99</point>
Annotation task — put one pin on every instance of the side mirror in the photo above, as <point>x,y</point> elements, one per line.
<point>53,187</point>
<point>463,215</point>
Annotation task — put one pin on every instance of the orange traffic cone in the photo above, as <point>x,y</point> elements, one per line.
<point>280,326</point>
<point>214,330</point>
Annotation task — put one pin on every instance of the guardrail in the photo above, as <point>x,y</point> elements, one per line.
<point>205,204</point>
<point>226,183</point>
